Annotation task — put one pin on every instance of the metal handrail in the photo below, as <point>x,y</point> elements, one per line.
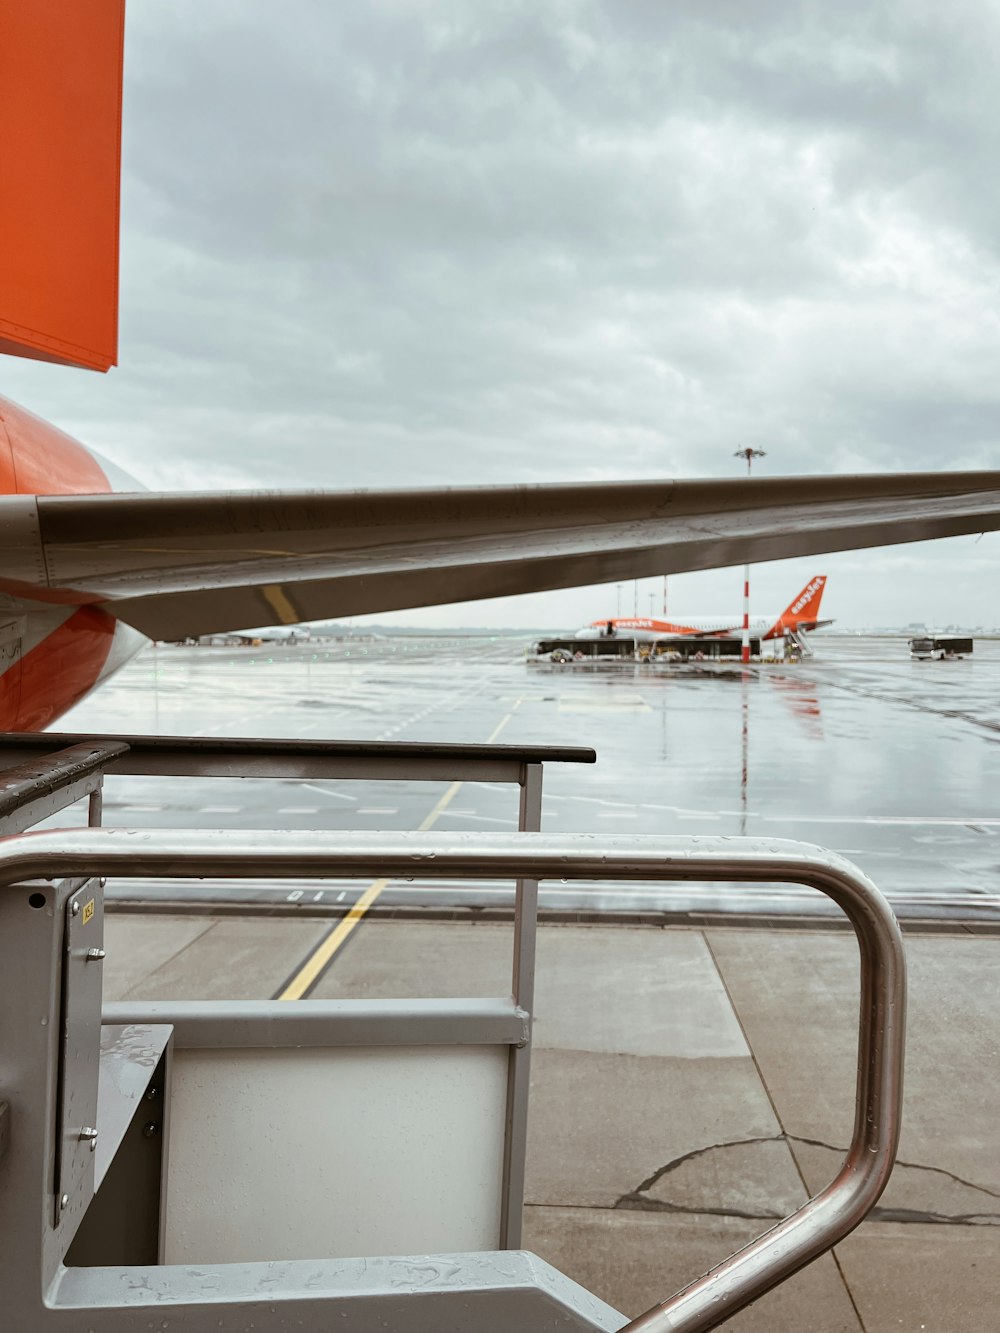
<point>244,756</point>
<point>41,787</point>
<point>787,1247</point>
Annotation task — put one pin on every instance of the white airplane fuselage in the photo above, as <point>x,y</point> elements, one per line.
<point>801,614</point>
<point>647,630</point>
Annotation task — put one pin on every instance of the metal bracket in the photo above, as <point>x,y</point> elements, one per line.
<point>79,1063</point>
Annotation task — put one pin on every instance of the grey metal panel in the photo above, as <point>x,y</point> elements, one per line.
<point>507,1292</point>
<point>79,1063</point>
<point>129,1055</point>
<point>276,1023</point>
<point>173,565</point>
<point>317,767</point>
<point>21,549</point>
<point>34,811</point>
<point>123,1223</point>
<point>165,1116</point>
<point>30,1042</point>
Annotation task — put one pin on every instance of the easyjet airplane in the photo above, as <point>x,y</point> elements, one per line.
<point>90,571</point>
<point>800,615</point>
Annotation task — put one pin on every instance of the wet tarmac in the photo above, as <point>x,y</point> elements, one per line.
<point>889,761</point>
<point>690,1085</point>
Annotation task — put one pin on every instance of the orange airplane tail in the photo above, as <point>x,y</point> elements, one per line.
<point>804,609</point>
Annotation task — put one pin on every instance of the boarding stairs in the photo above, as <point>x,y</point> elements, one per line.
<point>202,1165</point>
<point>804,647</point>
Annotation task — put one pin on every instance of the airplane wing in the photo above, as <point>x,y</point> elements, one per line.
<point>187,564</point>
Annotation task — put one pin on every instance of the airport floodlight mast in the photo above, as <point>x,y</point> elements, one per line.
<point>749,454</point>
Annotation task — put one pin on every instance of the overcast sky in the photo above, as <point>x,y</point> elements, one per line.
<point>435,243</point>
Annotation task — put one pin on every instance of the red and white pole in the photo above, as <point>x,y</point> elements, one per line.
<point>749,454</point>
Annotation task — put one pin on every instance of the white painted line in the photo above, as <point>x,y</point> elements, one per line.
<point>683,813</point>
<point>378,810</point>
<point>298,810</point>
<point>883,819</point>
<point>632,705</point>
<point>230,722</point>
<point>486,819</point>
<point>333,795</point>
<point>217,809</point>
<point>324,720</point>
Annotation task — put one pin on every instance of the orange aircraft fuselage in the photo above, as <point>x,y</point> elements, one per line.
<point>54,647</point>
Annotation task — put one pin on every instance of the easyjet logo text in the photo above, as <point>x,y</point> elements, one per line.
<point>807,596</point>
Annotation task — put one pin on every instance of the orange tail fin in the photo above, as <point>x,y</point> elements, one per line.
<point>805,607</point>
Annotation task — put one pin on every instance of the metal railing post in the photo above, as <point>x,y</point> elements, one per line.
<point>523,990</point>
<point>95,805</point>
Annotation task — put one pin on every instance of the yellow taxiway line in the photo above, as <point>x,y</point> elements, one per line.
<point>321,957</point>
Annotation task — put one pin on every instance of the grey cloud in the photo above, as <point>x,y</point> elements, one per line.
<point>393,244</point>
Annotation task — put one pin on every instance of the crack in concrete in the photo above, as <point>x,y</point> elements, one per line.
<point>638,1200</point>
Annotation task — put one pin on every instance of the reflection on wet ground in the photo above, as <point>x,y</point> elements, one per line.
<point>889,761</point>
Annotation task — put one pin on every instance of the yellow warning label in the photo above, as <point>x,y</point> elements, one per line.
<point>88,911</point>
